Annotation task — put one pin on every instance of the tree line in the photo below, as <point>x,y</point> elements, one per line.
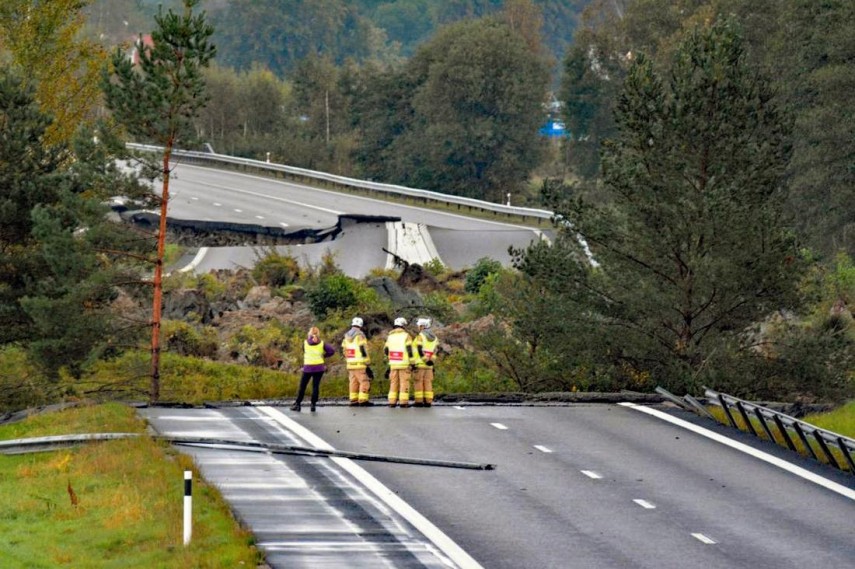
<point>708,174</point>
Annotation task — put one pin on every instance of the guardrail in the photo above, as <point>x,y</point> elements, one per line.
<point>349,183</point>
<point>788,429</point>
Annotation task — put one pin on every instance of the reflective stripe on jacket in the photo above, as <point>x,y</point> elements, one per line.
<point>313,354</point>
<point>352,352</point>
<point>397,344</point>
<point>429,343</point>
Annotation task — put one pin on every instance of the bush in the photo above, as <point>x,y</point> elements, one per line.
<point>333,292</point>
<point>439,307</point>
<point>260,346</point>
<point>276,270</point>
<point>187,340</point>
<point>476,276</point>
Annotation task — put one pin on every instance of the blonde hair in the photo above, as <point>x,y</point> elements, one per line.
<point>313,333</point>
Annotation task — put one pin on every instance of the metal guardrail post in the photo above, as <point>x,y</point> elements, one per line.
<point>727,412</point>
<point>783,430</point>
<point>846,453</point>
<point>741,408</point>
<point>821,442</point>
<point>801,433</point>
<point>764,424</point>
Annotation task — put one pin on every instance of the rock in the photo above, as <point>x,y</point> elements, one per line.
<point>257,296</point>
<point>387,288</point>
<point>187,305</point>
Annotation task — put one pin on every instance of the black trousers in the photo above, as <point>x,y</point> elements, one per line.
<point>315,376</point>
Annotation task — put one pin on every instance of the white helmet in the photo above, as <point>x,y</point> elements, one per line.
<point>356,322</point>
<point>423,322</point>
<point>400,321</point>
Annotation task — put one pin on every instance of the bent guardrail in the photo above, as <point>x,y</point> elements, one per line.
<point>789,430</point>
<point>351,183</point>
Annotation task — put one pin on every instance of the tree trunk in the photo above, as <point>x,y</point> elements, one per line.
<point>158,279</point>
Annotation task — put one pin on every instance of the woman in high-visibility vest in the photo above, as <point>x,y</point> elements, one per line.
<point>315,352</point>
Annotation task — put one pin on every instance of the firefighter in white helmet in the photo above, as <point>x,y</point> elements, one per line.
<point>424,346</point>
<point>399,351</point>
<point>355,347</point>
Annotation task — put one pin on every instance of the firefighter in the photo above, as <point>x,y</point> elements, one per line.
<point>355,347</point>
<point>399,351</point>
<point>425,346</point>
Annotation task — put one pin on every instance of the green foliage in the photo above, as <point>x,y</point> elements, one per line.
<point>437,306</point>
<point>260,346</point>
<point>188,340</point>
<point>476,276</point>
<point>275,270</point>
<point>841,420</point>
<point>435,267</point>
<point>333,292</point>
<point>21,383</point>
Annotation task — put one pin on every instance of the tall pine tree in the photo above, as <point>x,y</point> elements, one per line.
<point>157,101</point>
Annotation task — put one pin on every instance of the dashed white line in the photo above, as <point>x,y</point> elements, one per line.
<point>259,217</point>
<point>542,448</point>
<point>645,504</point>
<point>591,474</point>
<point>459,407</point>
<point>217,204</point>
<point>238,211</point>
<point>499,426</point>
<point>195,199</point>
<point>703,539</point>
<point>283,224</point>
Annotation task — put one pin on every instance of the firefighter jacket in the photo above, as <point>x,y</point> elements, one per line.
<point>399,349</point>
<point>425,346</point>
<point>313,354</point>
<point>355,348</point>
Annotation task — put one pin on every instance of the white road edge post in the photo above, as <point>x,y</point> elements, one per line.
<point>188,506</point>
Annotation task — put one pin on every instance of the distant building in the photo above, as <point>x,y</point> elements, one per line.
<point>138,43</point>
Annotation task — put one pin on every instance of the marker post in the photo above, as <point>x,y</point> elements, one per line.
<point>188,506</point>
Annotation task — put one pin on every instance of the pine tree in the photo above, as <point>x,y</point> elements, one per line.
<point>692,244</point>
<point>158,101</point>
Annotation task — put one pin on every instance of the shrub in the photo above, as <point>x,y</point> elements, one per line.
<point>476,276</point>
<point>439,307</point>
<point>260,346</point>
<point>185,339</point>
<point>333,292</point>
<point>276,270</point>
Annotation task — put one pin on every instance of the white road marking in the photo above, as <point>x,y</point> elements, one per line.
<point>542,448</point>
<point>194,199</point>
<point>645,504</point>
<point>499,426</point>
<point>283,224</point>
<point>259,217</point>
<point>766,457</point>
<point>275,198</point>
<point>218,204</point>
<point>591,474</point>
<point>459,407</point>
<point>445,544</point>
<point>238,211</point>
<point>200,255</point>
<point>704,539</point>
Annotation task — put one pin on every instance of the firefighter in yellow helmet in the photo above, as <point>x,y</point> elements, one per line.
<point>355,347</point>
<point>399,351</point>
<point>425,346</point>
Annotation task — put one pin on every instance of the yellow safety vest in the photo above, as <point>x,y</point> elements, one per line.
<point>397,343</point>
<point>313,354</point>
<point>428,349</point>
<point>352,353</point>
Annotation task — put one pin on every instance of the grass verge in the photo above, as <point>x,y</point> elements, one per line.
<point>840,421</point>
<point>110,504</point>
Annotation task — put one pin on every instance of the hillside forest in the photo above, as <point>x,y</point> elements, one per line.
<point>708,163</point>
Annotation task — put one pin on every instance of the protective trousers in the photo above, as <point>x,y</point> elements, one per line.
<point>359,386</point>
<point>423,385</point>
<point>399,387</point>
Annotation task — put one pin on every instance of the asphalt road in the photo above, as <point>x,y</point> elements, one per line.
<point>579,486</point>
<point>210,195</point>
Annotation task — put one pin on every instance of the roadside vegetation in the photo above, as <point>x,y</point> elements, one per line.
<point>109,504</point>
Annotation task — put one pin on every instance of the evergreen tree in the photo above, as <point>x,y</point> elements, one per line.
<point>692,245</point>
<point>158,101</point>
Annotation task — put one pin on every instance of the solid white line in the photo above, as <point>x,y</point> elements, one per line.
<point>542,448</point>
<point>701,537</point>
<point>499,426</point>
<point>645,504</point>
<point>591,474</point>
<point>766,457</point>
<point>200,254</point>
<point>445,544</point>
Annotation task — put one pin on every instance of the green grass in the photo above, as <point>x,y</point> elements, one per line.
<point>129,502</point>
<point>840,421</point>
